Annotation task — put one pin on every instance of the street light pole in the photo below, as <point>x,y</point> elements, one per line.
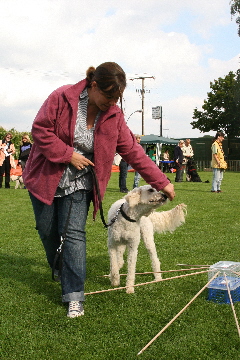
<point>143,106</point>
<point>140,111</point>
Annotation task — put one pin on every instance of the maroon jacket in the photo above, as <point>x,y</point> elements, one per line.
<point>53,133</point>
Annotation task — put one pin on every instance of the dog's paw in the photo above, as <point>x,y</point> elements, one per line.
<point>158,277</point>
<point>130,290</point>
<point>115,281</point>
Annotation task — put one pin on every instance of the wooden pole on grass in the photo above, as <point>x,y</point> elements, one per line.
<point>231,302</point>
<point>146,283</point>
<point>192,265</point>
<point>159,272</point>
<point>176,316</point>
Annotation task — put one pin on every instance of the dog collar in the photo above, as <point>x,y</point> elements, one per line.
<point>125,215</point>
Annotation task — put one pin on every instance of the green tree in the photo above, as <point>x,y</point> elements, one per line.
<point>221,110</point>
<point>235,10</point>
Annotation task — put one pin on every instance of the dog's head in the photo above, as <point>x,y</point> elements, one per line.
<point>145,195</point>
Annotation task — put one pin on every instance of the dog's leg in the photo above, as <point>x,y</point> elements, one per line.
<point>132,260</point>
<point>114,269</point>
<point>17,185</point>
<point>120,252</point>
<point>147,234</point>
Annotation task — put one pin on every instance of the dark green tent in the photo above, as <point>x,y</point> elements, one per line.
<point>155,139</point>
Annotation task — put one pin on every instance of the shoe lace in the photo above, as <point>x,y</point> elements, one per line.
<point>74,306</point>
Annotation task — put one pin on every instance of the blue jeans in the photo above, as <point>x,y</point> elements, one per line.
<point>217,179</point>
<point>136,179</point>
<point>51,221</point>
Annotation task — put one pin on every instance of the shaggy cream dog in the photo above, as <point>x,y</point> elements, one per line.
<point>134,215</point>
<point>19,181</point>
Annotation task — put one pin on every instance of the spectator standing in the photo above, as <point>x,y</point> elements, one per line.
<point>137,176</point>
<point>166,158</point>
<point>24,151</point>
<point>178,160</point>
<point>152,153</point>
<point>187,155</point>
<point>7,149</point>
<point>218,162</point>
<point>123,170</point>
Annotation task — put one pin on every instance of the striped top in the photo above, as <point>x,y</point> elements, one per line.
<point>73,179</point>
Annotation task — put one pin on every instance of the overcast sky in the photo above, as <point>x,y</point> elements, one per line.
<point>184,44</point>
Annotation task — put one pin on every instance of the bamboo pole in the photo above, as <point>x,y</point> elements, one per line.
<point>192,265</point>
<point>176,316</point>
<point>146,283</point>
<point>234,272</point>
<point>231,302</point>
<point>159,272</point>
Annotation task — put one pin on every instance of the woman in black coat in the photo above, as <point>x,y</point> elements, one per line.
<point>25,149</point>
<point>178,159</point>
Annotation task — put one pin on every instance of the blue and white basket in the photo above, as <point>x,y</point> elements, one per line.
<point>217,289</point>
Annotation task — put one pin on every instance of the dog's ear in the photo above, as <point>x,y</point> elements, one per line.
<point>133,197</point>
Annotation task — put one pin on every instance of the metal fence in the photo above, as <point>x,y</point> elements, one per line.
<point>233,165</point>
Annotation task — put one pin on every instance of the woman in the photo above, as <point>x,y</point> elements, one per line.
<point>218,162</point>
<point>178,159</point>
<point>165,158</point>
<point>77,127</point>
<point>7,149</point>
<point>25,149</point>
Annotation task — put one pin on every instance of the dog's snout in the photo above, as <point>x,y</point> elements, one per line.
<point>164,196</point>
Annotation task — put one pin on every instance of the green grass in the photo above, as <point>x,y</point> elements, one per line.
<point>116,325</point>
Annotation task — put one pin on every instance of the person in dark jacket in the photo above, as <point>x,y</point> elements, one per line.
<point>178,159</point>
<point>24,151</point>
<point>123,171</point>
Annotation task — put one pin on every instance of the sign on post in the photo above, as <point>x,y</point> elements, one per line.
<point>156,112</point>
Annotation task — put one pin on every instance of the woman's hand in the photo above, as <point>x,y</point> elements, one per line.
<point>79,161</point>
<point>169,191</point>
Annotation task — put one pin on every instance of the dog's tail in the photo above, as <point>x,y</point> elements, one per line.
<point>168,220</point>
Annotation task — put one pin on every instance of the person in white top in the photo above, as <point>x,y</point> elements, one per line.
<point>187,155</point>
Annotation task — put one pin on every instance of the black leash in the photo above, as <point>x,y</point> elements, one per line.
<point>95,180</point>
<point>100,204</point>
<point>125,215</point>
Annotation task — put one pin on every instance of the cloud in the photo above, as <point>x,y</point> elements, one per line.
<point>45,44</point>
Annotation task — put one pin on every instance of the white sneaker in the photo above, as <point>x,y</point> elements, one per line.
<point>75,309</point>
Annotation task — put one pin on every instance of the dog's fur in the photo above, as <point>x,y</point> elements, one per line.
<point>139,205</point>
<point>19,181</point>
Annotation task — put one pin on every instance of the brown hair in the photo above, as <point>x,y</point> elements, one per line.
<point>219,133</point>
<point>109,77</point>
<point>7,134</point>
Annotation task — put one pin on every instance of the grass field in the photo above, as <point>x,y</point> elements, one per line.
<point>116,325</point>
